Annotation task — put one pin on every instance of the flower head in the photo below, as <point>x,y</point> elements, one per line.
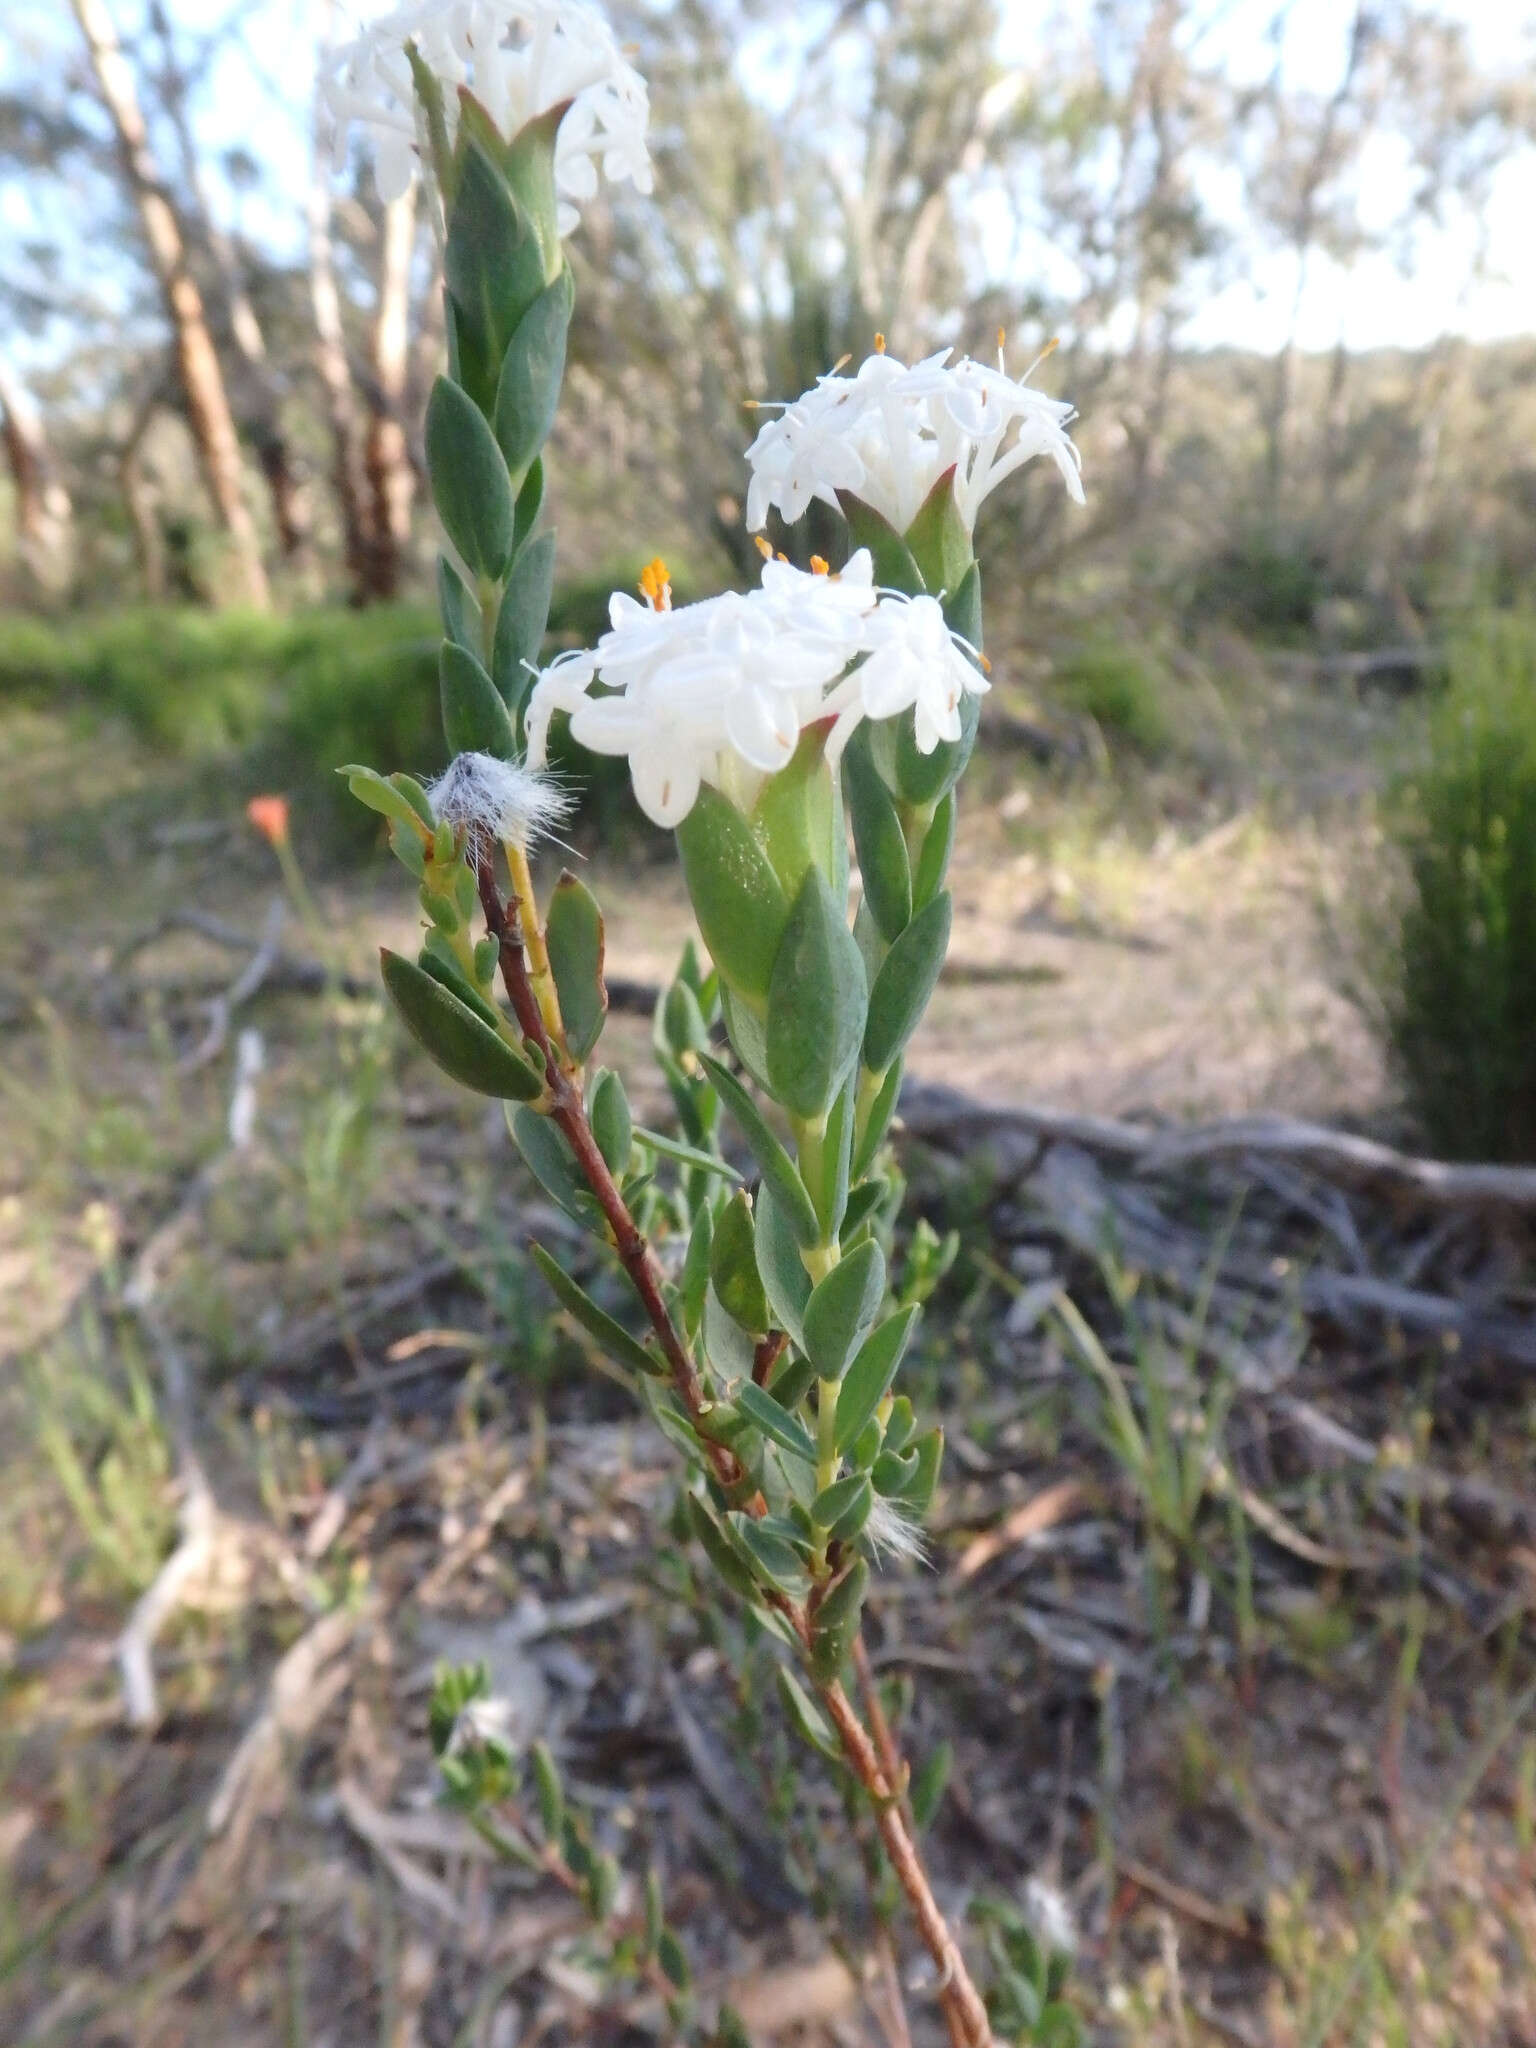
<point>481,1723</point>
<point>717,691</point>
<point>491,800</point>
<point>269,814</point>
<point>913,663</point>
<point>890,431</point>
<point>519,58</point>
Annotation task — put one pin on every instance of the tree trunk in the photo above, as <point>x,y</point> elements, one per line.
<point>42,503</point>
<point>331,360</point>
<point>207,401</point>
<point>257,390</point>
<point>138,493</point>
<point>386,456</point>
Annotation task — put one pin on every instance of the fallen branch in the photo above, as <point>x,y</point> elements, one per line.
<point>952,1121</point>
<point>201,1527</point>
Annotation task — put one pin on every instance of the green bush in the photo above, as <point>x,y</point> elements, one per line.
<point>1264,584</point>
<point>1119,689</point>
<point>281,702</point>
<point>1459,989</point>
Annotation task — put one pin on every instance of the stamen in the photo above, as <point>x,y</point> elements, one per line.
<point>819,566</point>
<point>763,545</point>
<point>879,344</point>
<point>1049,350</point>
<point>842,362</point>
<point>1002,343</point>
<point>656,585</point>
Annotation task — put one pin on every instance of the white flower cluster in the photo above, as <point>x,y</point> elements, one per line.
<point>721,691</point>
<point>889,432</point>
<point>519,58</point>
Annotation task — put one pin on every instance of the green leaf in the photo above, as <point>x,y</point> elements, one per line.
<point>733,1266</point>
<point>721,1553</point>
<point>687,1155</point>
<point>868,1380</point>
<point>881,1112</point>
<point>779,1562</point>
<point>727,1345</point>
<point>461,614</point>
<point>681,1021</point>
<point>773,1162</point>
<point>460,1042</point>
<point>415,796</point>
<point>748,1039</point>
<point>816,1003</point>
<point>918,1491</point>
<point>878,838</point>
<point>529,162</point>
<point>602,1887</point>
<point>674,1964</point>
<point>900,1424</point>
<point>940,544</point>
<point>522,620</point>
<point>470,485</point>
<point>551,1796</point>
<point>862,1204</point>
<point>382,794</point>
<point>493,265</point>
<point>612,1125</point>
<point>785,1280</point>
<point>905,983</point>
<point>893,1472</point>
<point>737,898</point>
<point>574,936</point>
<point>530,502</point>
<point>836,1621</point>
<point>776,1422</point>
<point>531,373</point>
<point>828,1184</point>
<point>798,817</point>
<point>693,1281</point>
<point>894,565</point>
<point>475,720</point>
<point>806,1717</point>
<point>962,607</point>
<point>553,1165</point>
<point>443,968</point>
<point>791,1379</point>
<point>842,1307</point>
<point>928,1786</point>
<point>924,778</point>
<point>933,861</point>
<point>843,1508</point>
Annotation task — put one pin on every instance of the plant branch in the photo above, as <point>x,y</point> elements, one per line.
<point>878,1769</point>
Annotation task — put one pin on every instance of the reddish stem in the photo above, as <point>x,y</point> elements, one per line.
<point>880,1772</point>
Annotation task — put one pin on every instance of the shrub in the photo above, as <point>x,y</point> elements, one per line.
<point>1264,584</point>
<point>1119,689</point>
<point>1459,989</point>
<point>283,701</point>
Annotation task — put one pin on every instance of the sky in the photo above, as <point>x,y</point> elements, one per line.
<point>257,96</point>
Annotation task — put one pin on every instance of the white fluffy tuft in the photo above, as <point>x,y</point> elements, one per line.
<point>891,1534</point>
<point>1050,1917</point>
<point>487,799</point>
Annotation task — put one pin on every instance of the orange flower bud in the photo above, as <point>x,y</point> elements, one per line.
<point>269,814</point>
